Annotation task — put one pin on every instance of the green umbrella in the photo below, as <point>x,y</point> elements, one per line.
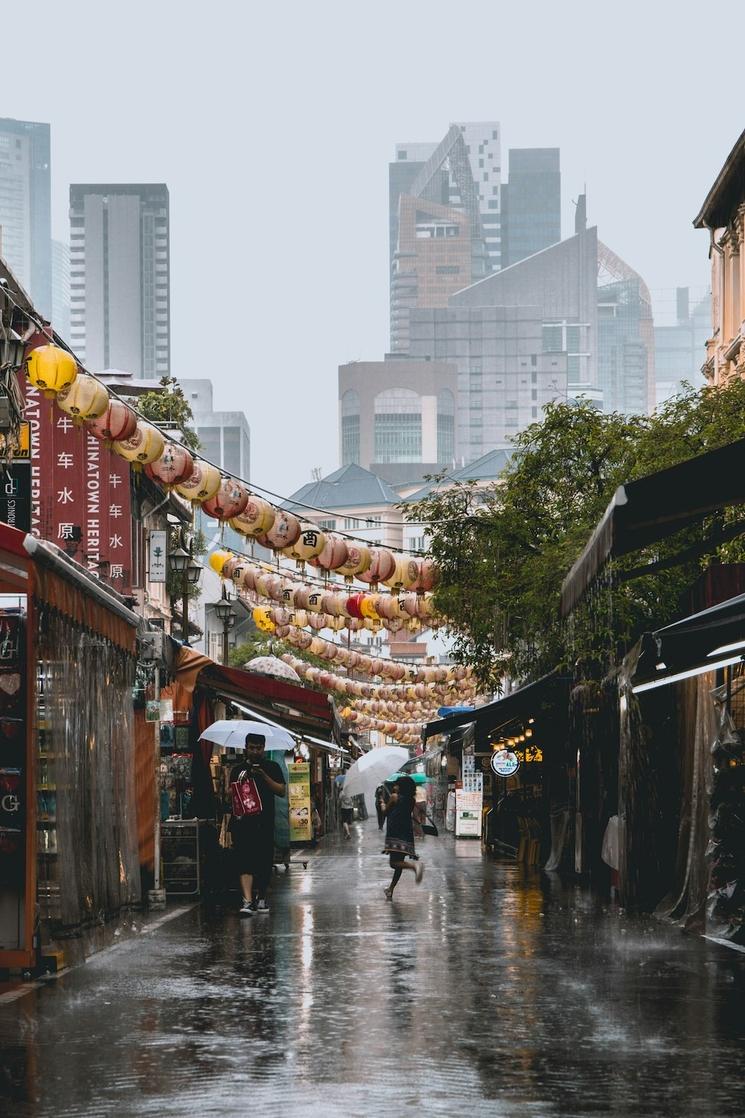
<point>418,778</point>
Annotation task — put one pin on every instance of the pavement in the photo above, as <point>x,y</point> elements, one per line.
<point>486,990</point>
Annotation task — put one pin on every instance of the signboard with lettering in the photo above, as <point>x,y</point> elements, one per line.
<point>469,799</point>
<point>80,493</point>
<point>15,495</point>
<point>157,556</point>
<point>298,795</point>
<point>504,762</point>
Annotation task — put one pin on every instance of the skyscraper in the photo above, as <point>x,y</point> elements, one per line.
<point>531,203</point>
<point>61,288</point>
<point>120,277</point>
<point>682,326</point>
<point>25,207</point>
<point>437,196</point>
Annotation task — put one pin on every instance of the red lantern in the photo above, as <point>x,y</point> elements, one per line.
<point>117,423</point>
<point>354,603</point>
<point>230,500</point>
<point>174,465</point>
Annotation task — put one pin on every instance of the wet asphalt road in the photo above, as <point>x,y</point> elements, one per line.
<point>486,990</point>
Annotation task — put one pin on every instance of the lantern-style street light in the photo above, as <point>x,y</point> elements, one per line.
<point>182,563</point>
<point>226,615</point>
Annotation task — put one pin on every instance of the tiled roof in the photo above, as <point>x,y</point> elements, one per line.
<point>348,487</point>
<point>486,468</point>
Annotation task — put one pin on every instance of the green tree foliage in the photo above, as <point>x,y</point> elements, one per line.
<point>504,551</point>
<point>168,405</point>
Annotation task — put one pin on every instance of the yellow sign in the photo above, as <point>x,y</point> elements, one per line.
<point>298,795</point>
<point>20,449</point>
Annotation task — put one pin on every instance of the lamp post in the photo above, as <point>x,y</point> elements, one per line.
<point>226,615</point>
<point>183,563</point>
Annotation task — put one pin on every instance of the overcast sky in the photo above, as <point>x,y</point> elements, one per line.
<point>273,126</point>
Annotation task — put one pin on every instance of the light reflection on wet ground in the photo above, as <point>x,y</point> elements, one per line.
<point>486,990</point>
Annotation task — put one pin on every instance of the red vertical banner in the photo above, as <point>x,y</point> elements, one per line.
<point>80,493</point>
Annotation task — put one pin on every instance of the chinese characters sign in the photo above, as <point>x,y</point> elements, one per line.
<point>80,493</point>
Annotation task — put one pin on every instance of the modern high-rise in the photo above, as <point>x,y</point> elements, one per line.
<point>25,207</point>
<point>225,436</point>
<point>626,338</point>
<point>61,288</point>
<point>682,325</point>
<point>435,199</point>
<point>531,203</point>
<point>120,277</point>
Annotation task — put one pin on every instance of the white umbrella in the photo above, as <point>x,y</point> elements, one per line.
<point>364,776</point>
<point>231,733</point>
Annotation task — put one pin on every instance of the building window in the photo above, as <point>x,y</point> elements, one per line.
<point>398,426</point>
<point>327,525</point>
<point>350,428</point>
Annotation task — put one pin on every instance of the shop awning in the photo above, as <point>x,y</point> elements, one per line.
<point>294,707</point>
<point>314,743</point>
<point>525,702</point>
<point>655,507</point>
<point>712,638</point>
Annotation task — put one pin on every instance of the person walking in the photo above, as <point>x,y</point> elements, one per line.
<point>346,807</point>
<point>382,794</point>
<point>399,833</point>
<point>253,835</point>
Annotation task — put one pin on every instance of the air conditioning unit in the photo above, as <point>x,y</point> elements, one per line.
<point>151,645</point>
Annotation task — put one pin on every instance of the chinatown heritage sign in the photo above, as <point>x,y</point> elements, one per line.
<point>80,493</point>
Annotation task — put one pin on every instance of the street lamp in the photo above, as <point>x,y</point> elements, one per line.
<point>226,615</point>
<point>183,563</point>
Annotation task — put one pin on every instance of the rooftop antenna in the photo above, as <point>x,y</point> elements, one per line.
<point>316,473</point>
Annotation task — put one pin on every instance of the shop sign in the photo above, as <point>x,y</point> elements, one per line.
<point>80,495</point>
<point>158,556</point>
<point>13,760</point>
<point>15,496</point>
<point>298,795</point>
<point>469,798</point>
<point>504,762</point>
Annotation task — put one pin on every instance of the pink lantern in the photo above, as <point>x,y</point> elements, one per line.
<point>317,620</point>
<point>284,531</point>
<point>229,568</point>
<point>282,631</point>
<point>229,501</point>
<point>382,566</point>
<point>427,575</point>
<point>248,578</point>
<point>117,423</point>
<point>174,465</point>
<point>334,554</point>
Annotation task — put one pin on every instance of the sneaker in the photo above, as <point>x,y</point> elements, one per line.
<point>262,906</point>
<point>388,894</point>
<point>246,909</point>
<point>419,872</point>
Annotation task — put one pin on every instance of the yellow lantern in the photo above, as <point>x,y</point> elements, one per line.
<point>85,398</point>
<point>146,445</point>
<point>308,545</point>
<point>256,518</point>
<point>203,483</point>
<point>367,607</point>
<point>405,573</point>
<point>51,369</point>
<point>218,559</point>
<point>262,620</point>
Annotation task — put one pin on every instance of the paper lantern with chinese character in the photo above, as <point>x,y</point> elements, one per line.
<point>174,466</point>
<point>262,620</point>
<point>146,445</point>
<point>358,560</point>
<point>51,369</point>
<point>382,566</point>
<point>404,575</point>
<point>315,599</point>
<point>229,501</point>
<point>118,422</point>
<point>284,531</point>
<point>230,566</point>
<point>203,483</point>
<point>256,518</point>
<point>85,398</point>
<point>334,555</point>
<point>308,545</point>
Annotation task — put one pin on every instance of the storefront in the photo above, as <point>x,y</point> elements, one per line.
<point>68,826</point>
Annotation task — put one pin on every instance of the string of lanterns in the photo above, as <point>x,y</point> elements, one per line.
<point>226,499</point>
<point>357,687</point>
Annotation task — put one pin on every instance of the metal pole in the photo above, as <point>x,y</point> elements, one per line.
<point>185,610</point>
<point>225,643</point>
<point>156,896</point>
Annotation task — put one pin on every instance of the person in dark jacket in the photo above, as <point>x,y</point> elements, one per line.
<point>399,833</point>
<point>253,835</point>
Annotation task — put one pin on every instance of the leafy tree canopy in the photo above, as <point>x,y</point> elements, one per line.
<point>169,405</point>
<point>504,551</point>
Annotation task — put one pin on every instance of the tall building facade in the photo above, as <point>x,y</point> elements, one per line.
<point>682,323</point>
<point>626,339</point>
<point>531,203</point>
<point>435,196</point>
<point>397,417</point>
<point>61,288</point>
<point>120,276</point>
<point>25,206</point>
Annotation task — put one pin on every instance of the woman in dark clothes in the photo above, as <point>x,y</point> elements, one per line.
<point>399,833</point>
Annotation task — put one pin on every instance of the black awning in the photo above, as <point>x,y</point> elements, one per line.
<point>525,702</point>
<point>694,641</point>
<point>657,506</point>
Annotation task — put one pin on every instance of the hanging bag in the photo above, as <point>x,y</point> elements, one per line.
<point>245,796</point>
<point>430,827</point>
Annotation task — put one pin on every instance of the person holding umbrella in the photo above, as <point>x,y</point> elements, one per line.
<point>399,833</point>
<point>253,835</point>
